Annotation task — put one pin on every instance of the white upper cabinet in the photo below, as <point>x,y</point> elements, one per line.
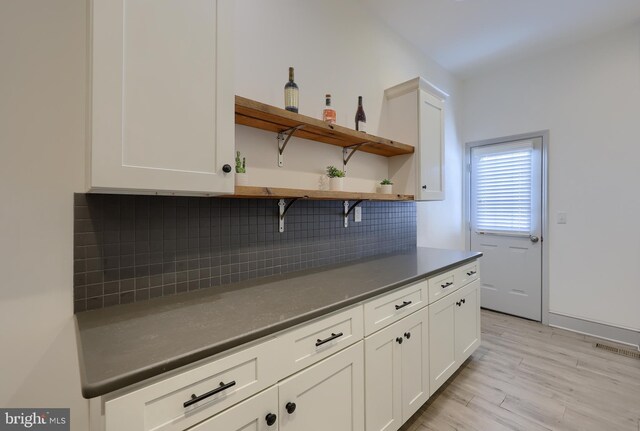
<point>162,97</point>
<point>415,115</point>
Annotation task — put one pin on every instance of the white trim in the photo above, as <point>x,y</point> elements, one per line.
<point>544,135</point>
<point>595,329</point>
<point>415,84</point>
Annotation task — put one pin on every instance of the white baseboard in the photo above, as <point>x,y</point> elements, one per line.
<point>598,330</point>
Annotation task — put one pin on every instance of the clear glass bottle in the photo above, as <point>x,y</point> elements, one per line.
<point>328,113</point>
<point>361,118</point>
<point>291,94</point>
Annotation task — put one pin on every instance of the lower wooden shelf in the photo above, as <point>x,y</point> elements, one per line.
<point>284,193</point>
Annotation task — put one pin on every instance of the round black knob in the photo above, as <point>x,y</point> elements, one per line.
<point>407,335</point>
<point>271,419</point>
<point>291,407</point>
<point>226,168</point>
<point>399,340</point>
<point>464,301</point>
<point>424,187</point>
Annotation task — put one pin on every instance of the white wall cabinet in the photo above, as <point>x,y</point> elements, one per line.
<point>397,372</point>
<point>454,332</point>
<point>415,115</point>
<point>162,97</point>
<point>326,396</point>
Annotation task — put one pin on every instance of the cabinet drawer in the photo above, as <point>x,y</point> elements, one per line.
<point>318,339</point>
<point>391,307</point>
<point>468,273</point>
<point>442,285</point>
<point>160,406</point>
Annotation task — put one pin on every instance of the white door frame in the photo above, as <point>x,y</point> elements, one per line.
<point>544,134</point>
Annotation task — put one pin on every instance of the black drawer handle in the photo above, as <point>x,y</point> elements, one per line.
<point>471,272</point>
<point>326,340</point>
<point>447,284</point>
<point>404,304</point>
<point>196,399</point>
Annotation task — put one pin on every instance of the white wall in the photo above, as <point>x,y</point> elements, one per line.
<point>588,96</point>
<point>42,99</point>
<point>336,47</point>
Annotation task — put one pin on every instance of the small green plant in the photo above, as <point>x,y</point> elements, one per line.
<point>333,172</point>
<point>241,164</point>
<point>386,182</point>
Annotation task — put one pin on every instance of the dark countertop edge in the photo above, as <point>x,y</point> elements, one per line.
<point>110,385</point>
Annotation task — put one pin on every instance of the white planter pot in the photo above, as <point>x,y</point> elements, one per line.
<point>336,184</point>
<point>386,188</point>
<point>242,179</point>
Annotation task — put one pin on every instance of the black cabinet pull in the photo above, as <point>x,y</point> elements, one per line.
<point>459,303</point>
<point>326,340</point>
<point>195,399</point>
<point>447,284</point>
<point>424,187</point>
<point>407,335</point>
<point>464,301</point>
<point>226,168</point>
<point>404,304</point>
<point>271,419</point>
<point>291,407</point>
<point>399,340</point>
<point>471,272</point>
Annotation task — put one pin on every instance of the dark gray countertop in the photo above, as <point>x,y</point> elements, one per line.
<point>125,344</point>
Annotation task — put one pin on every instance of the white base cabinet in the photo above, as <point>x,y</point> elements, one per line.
<point>397,372</point>
<point>454,332</point>
<point>258,413</point>
<point>326,396</point>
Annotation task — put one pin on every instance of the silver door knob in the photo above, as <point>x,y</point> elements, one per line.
<point>534,238</point>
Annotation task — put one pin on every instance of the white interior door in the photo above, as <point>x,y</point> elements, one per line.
<point>506,224</point>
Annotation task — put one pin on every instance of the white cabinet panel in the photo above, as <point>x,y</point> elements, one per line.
<point>467,321</point>
<point>162,97</point>
<point>415,362</point>
<point>442,360</point>
<point>327,396</point>
<point>383,374</point>
<point>254,414</point>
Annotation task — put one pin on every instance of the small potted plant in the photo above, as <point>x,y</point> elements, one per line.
<point>241,170</point>
<point>336,177</point>
<point>386,186</point>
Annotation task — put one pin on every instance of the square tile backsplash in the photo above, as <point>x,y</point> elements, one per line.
<point>133,248</point>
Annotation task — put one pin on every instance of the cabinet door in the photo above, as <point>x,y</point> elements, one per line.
<point>415,362</point>
<point>249,415</point>
<point>430,149</point>
<point>327,396</point>
<point>442,354</point>
<point>162,102</point>
<point>383,374</point>
<point>467,321</point>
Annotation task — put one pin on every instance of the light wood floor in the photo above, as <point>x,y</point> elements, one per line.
<point>526,376</point>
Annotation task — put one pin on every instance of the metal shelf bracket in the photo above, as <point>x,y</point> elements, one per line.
<point>283,207</point>
<point>348,210</point>
<point>346,155</point>
<point>283,145</point>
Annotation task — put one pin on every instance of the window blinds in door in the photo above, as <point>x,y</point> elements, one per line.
<point>501,188</point>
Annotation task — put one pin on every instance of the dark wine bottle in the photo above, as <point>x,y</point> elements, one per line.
<point>291,94</point>
<point>361,119</point>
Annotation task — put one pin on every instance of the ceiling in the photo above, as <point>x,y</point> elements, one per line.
<point>468,36</point>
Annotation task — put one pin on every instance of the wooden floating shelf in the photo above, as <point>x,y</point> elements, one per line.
<point>266,117</point>
<point>283,193</point>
